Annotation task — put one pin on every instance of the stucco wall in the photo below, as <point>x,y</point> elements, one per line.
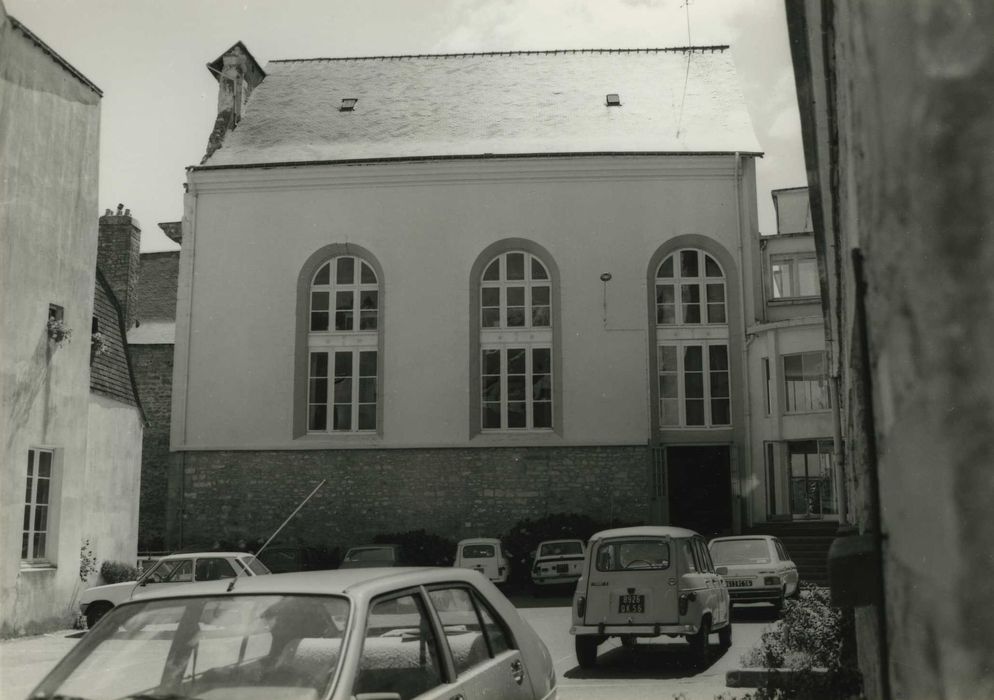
<point>250,232</point>
<point>113,474</point>
<point>913,193</point>
<point>49,125</point>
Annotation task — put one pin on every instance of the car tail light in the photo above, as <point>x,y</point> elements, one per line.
<point>771,581</point>
<point>684,601</point>
<point>581,606</point>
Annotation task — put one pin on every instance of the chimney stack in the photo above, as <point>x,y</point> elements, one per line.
<point>118,258</point>
<point>237,74</point>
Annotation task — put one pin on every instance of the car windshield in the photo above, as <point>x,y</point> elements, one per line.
<point>737,552</point>
<point>557,549</point>
<point>477,551</point>
<point>644,553</point>
<point>370,554</point>
<point>170,571</point>
<point>284,646</point>
<point>256,566</point>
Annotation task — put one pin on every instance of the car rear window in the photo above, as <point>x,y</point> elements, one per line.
<point>633,555</point>
<point>738,552</point>
<point>371,554</point>
<point>556,549</point>
<point>478,551</point>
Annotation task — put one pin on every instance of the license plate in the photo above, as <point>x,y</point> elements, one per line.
<point>562,568</point>
<point>631,604</point>
<point>738,583</point>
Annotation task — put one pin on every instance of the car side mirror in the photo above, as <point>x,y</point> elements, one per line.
<point>721,570</point>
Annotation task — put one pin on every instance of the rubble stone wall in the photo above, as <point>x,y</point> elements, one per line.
<point>456,493</point>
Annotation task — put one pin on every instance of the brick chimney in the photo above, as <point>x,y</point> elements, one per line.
<point>173,230</point>
<point>118,258</point>
<point>237,74</point>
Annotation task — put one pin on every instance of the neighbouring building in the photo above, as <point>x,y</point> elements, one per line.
<point>150,346</point>
<point>71,427</point>
<point>896,113</point>
<point>469,289</point>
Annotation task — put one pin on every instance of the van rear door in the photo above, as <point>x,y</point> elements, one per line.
<point>482,557</point>
<point>632,580</point>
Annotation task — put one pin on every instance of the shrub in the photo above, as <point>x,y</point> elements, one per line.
<point>421,548</point>
<point>811,635</point>
<point>525,535</point>
<point>118,572</point>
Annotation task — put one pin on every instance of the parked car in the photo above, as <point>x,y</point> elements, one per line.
<point>390,634</point>
<point>486,555</point>
<point>169,571</point>
<point>647,581</point>
<point>756,568</point>
<point>372,555</point>
<point>557,562</point>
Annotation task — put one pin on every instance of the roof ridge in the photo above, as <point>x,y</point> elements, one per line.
<point>547,52</point>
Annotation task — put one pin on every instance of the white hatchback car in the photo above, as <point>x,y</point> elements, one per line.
<point>647,581</point>
<point>172,570</point>
<point>486,555</point>
<point>756,568</point>
<point>557,562</point>
<point>355,634</point>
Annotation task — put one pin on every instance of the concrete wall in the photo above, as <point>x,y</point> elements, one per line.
<point>113,474</point>
<point>426,224</point>
<point>902,159</point>
<point>49,125</point>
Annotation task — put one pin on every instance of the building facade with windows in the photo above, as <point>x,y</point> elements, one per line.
<point>793,432</point>
<point>466,290</point>
<point>71,423</point>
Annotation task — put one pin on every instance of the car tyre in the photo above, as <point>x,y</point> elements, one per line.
<point>629,641</point>
<point>95,612</point>
<point>586,650</point>
<point>725,636</point>
<point>699,643</point>
<point>778,604</point>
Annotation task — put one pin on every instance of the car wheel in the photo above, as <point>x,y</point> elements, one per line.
<point>778,604</point>
<point>699,643</point>
<point>725,636</point>
<point>586,650</point>
<point>95,612</point>
<point>629,641</point>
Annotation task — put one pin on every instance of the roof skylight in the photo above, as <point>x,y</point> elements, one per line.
<point>348,104</point>
<point>613,99</point>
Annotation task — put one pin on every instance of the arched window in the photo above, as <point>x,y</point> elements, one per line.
<point>692,341</point>
<point>342,341</point>
<point>515,343</point>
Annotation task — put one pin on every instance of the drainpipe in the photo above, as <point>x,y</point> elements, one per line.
<point>747,418</point>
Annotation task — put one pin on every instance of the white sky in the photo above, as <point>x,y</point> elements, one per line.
<point>149,56</point>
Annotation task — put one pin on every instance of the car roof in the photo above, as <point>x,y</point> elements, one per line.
<point>374,546</point>
<point>480,540</point>
<point>195,555</point>
<point>644,531</point>
<point>345,582</point>
<point>740,538</point>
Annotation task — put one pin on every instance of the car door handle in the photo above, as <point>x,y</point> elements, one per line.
<point>517,671</point>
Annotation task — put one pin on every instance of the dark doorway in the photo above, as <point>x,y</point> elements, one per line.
<point>700,482</point>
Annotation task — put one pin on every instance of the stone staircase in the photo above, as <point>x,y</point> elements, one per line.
<point>807,542</point>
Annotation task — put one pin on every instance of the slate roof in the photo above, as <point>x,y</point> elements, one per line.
<point>110,373</point>
<point>681,100</point>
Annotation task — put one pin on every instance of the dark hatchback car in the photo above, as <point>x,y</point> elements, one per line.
<point>373,555</point>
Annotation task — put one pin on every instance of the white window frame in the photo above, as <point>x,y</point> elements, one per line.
<point>701,281</point>
<point>332,341</point>
<point>529,375</point>
<point>821,382</point>
<point>528,283</point>
<point>680,373</point>
<point>789,287</point>
<point>29,529</point>
<point>528,337</point>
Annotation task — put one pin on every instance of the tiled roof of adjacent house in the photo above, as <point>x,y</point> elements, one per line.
<point>110,372</point>
<point>683,100</point>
